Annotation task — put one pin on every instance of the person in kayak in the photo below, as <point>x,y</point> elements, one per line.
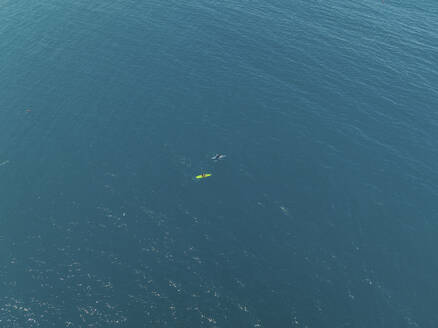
<point>203,175</point>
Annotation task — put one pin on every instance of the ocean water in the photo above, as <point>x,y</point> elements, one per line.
<point>323,214</point>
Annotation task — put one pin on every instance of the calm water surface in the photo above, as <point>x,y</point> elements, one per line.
<point>324,213</point>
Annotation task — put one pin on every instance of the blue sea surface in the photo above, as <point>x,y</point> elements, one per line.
<point>323,214</point>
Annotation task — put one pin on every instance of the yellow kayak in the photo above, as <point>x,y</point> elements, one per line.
<point>203,175</point>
